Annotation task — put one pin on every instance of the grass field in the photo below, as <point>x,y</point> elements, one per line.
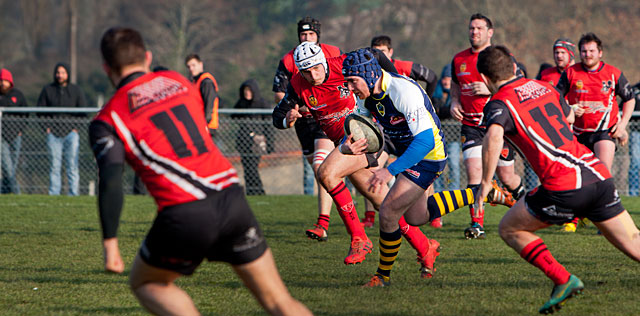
<point>51,264</point>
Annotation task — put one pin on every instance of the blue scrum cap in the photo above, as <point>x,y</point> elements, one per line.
<point>363,64</point>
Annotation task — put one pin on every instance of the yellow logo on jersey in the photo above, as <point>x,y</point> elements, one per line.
<point>579,84</point>
<point>313,101</point>
<point>380,108</point>
<point>463,67</point>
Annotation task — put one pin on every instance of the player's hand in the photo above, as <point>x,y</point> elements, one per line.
<point>112,259</point>
<point>619,133</point>
<point>481,195</point>
<point>379,178</point>
<point>479,88</point>
<point>354,148</point>
<point>456,111</point>
<point>578,110</point>
<point>292,116</point>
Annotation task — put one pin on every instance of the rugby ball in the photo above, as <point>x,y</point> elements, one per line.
<point>363,127</point>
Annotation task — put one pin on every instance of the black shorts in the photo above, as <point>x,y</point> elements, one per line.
<point>472,136</point>
<point>589,139</point>
<point>597,201</point>
<point>308,131</point>
<point>220,227</point>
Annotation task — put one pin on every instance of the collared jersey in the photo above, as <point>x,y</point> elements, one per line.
<point>464,73</point>
<point>329,103</point>
<point>596,91</point>
<point>404,111</point>
<point>533,116</point>
<point>159,121</point>
<point>551,75</point>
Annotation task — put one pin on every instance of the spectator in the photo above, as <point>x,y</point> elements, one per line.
<point>11,133</point>
<point>251,139</point>
<point>208,87</point>
<point>62,140</point>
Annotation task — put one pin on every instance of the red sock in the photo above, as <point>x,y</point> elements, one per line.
<point>537,254</point>
<point>342,197</point>
<point>323,220</point>
<point>371,215</point>
<point>476,219</point>
<point>415,237</point>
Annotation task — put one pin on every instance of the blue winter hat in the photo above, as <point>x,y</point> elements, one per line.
<point>363,64</point>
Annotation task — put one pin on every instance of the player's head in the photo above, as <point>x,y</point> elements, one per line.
<point>361,70</point>
<point>480,31</point>
<point>311,63</point>
<point>123,48</point>
<point>194,64</point>
<point>564,53</point>
<point>309,30</point>
<point>495,64</point>
<point>383,44</point>
<point>590,50</point>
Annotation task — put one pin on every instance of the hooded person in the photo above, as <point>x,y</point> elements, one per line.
<point>252,137</point>
<point>11,132</point>
<point>62,135</point>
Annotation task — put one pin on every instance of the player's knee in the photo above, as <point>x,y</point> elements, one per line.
<point>505,231</point>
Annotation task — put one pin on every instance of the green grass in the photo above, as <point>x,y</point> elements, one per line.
<point>51,264</point>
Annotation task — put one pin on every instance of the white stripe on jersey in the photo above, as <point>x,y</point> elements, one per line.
<point>174,178</point>
<point>547,148</point>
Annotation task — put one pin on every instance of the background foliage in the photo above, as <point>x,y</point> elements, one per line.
<point>246,38</point>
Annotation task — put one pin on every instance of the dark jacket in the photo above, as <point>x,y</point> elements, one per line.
<point>55,95</point>
<point>251,125</point>
<point>11,124</point>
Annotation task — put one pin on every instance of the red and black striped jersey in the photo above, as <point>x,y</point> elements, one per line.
<point>533,116</point>
<point>551,75</point>
<point>464,73</point>
<point>330,103</point>
<point>596,91</point>
<point>156,123</point>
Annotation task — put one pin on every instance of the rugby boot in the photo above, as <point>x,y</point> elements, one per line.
<point>561,293</point>
<point>436,223</point>
<point>429,259</point>
<point>318,232</point>
<point>569,227</point>
<point>376,281</point>
<point>498,195</point>
<point>475,231</point>
<point>358,250</point>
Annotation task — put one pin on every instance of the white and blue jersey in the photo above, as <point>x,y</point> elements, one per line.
<point>405,112</point>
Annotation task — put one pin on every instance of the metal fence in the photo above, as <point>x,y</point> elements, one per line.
<point>275,166</point>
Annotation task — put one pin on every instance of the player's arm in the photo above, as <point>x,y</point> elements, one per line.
<point>498,121</point>
<point>108,150</point>
<point>625,92</point>
<point>209,96</point>
<point>280,81</point>
<point>419,120</point>
<point>286,112</point>
<point>420,72</point>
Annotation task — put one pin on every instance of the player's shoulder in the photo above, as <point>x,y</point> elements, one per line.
<point>548,72</point>
<point>330,50</point>
<point>463,53</point>
<point>611,69</point>
<point>402,90</point>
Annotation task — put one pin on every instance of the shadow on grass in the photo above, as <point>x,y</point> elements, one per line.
<point>97,310</point>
